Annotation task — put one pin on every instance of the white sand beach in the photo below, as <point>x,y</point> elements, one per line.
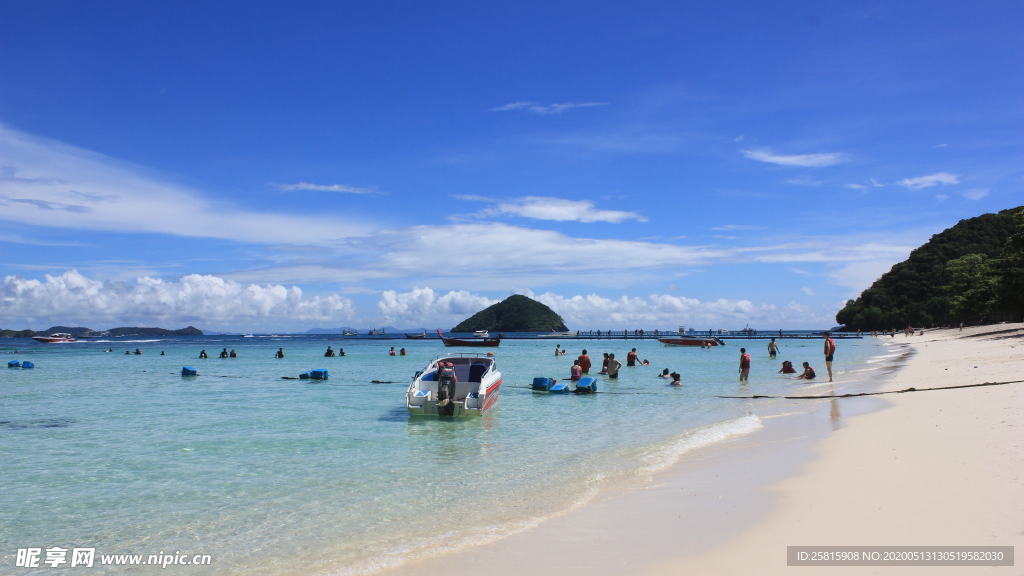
<point>924,468</point>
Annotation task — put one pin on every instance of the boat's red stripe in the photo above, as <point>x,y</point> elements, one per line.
<point>492,396</point>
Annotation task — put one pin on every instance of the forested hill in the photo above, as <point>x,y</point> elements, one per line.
<point>514,314</point>
<point>916,292</point>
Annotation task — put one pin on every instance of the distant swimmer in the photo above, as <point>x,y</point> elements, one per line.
<point>558,351</point>
<point>341,351</point>
<point>664,374</point>
<point>203,354</point>
<point>111,350</point>
<point>162,353</point>
<point>137,351</point>
<point>787,368</point>
<point>584,362</point>
<point>401,352</point>
<point>675,380</point>
<point>392,352</point>
<point>773,348</point>
<point>744,364</point>
<point>613,366</point>
<point>329,353</point>
<point>127,352</point>
<point>279,353</point>
<point>631,358</point>
<point>575,373</point>
<point>233,355</point>
<point>808,373</point>
<point>224,353</point>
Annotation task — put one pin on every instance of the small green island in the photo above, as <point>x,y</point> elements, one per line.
<point>82,332</point>
<point>514,314</point>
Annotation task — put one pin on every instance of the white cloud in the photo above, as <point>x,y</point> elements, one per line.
<point>876,183</point>
<point>737,227</point>
<point>809,160</point>
<point>545,109</point>
<point>940,198</point>
<point>46,183</point>
<point>557,209</point>
<point>193,299</point>
<point>975,193</point>
<point>325,188</point>
<point>808,291</point>
<point>944,178</point>
<point>855,186</point>
<point>422,305</point>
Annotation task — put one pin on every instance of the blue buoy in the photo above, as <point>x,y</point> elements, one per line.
<point>560,388</point>
<point>189,371</point>
<point>27,364</point>
<point>14,364</point>
<point>320,374</point>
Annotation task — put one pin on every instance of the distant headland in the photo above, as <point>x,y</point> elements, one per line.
<point>82,332</point>
<point>514,314</point>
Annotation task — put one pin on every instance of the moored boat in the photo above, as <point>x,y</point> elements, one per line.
<point>684,340</point>
<point>375,332</point>
<point>55,338</point>
<point>562,334</point>
<point>454,385</point>
<point>349,333</point>
<point>469,341</point>
<point>416,336</point>
<point>481,334</point>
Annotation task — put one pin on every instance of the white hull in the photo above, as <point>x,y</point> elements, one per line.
<point>560,335</point>
<point>476,391</point>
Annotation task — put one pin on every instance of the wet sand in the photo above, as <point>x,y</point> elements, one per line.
<point>926,468</point>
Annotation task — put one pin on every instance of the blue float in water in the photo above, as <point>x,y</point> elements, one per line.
<point>27,365</point>
<point>320,374</point>
<point>189,371</point>
<point>14,364</point>
<point>586,385</point>
<point>560,388</point>
<point>541,384</point>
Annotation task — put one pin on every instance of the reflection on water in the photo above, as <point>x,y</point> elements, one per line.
<point>834,417</point>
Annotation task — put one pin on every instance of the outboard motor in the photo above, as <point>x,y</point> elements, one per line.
<point>446,381</point>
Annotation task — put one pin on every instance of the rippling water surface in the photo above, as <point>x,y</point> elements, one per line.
<point>273,476</point>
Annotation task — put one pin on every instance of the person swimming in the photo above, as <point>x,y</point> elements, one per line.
<point>137,351</point>
<point>664,374</point>
<point>202,354</point>
<point>162,353</point>
<point>329,353</point>
<point>232,355</point>
<point>341,351</point>
<point>787,368</point>
<point>279,353</point>
<point>127,352</point>
<point>224,353</point>
<point>675,380</point>
<point>808,373</point>
<point>392,352</point>
<point>401,352</point>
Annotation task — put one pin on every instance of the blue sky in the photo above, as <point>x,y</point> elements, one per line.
<point>273,166</point>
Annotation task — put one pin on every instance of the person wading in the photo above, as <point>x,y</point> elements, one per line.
<point>744,364</point>
<point>830,350</point>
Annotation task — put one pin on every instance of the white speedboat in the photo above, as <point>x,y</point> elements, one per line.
<point>563,334</point>
<point>454,385</point>
<point>481,334</point>
<point>349,333</point>
<point>247,335</point>
<point>55,338</point>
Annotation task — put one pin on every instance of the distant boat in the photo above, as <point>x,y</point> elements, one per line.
<point>469,341</point>
<point>375,332</point>
<point>349,333</point>
<point>563,334</point>
<point>682,340</point>
<point>249,335</point>
<point>55,338</point>
<point>94,335</point>
<point>481,334</point>
<point>416,336</point>
<point>458,385</point>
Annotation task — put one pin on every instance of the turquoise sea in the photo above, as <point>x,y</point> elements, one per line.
<point>271,476</point>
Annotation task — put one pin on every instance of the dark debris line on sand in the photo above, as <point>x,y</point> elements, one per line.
<point>756,396</point>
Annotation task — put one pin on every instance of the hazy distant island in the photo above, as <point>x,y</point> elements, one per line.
<point>80,331</point>
<point>513,314</point>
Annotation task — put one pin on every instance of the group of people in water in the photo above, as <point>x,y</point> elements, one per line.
<point>787,366</point>
<point>223,354</point>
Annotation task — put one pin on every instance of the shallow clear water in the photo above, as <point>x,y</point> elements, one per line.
<point>273,476</point>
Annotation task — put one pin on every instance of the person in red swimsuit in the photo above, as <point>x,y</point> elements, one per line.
<point>584,362</point>
<point>744,364</point>
<point>631,358</point>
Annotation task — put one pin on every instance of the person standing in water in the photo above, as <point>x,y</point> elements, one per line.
<point>575,373</point>
<point>280,353</point>
<point>613,367</point>
<point>744,364</point>
<point>584,362</point>
<point>773,348</point>
<point>558,349</point>
<point>631,358</point>
<point>830,350</point>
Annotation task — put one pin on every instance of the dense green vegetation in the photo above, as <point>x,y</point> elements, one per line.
<point>513,314</point>
<point>971,272</point>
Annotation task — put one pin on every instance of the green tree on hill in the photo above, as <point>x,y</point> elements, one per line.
<point>973,289</point>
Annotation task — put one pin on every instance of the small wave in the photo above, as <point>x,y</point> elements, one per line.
<point>665,455</point>
<point>128,341</point>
